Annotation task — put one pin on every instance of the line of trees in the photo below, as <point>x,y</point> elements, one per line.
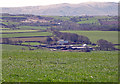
<point>72,37</point>
<point>67,25</point>
<point>70,24</point>
<point>105,45</point>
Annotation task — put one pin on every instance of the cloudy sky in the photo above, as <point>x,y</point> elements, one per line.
<point>18,3</point>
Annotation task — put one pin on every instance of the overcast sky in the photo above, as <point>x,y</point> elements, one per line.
<point>18,3</point>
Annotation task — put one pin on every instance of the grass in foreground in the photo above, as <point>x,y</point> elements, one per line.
<point>46,66</point>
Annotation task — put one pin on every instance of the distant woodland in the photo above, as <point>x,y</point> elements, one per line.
<point>88,23</point>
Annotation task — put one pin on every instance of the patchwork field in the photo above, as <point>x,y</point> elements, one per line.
<point>31,43</point>
<point>91,20</point>
<point>111,36</point>
<point>16,31</point>
<point>22,64</point>
<point>33,27</point>
<point>42,39</point>
<point>6,23</point>
<point>26,34</point>
<point>49,66</point>
<point>4,28</point>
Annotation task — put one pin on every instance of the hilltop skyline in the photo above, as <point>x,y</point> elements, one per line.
<point>106,8</point>
<point>22,3</point>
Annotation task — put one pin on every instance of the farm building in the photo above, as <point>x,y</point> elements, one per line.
<point>61,42</point>
<point>81,48</point>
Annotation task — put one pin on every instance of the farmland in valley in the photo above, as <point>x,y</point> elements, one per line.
<point>24,60</point>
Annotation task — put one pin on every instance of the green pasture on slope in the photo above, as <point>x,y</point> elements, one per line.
<point>33,27</point>
<point>31,43</point>
<point>10,22</point>
<point>12,16</point>
<point>64,18</point>
<point>26,34</point>
<point>54,66</point>
<point>89,21</point>
<point>111,36</point>
<point>15,31</point>
<point>4,28</point>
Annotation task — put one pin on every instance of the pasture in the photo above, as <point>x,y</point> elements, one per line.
<point>6,23</point>
<point>27,34</point>
<point>55,66</point>
<point>11,16</point>
<point>111,36</point>
<point>40,38</point>
<point>31,43</point>
<point>64,18</point>
<point>4,28</point>
<point>33,27</point>
<point>90,21</point>
<point>19,64</point>
<point>17,31</point>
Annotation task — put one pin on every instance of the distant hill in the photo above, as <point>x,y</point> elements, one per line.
<point>90,8</point>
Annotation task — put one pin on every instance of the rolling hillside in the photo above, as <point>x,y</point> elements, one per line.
<point>65,9</point>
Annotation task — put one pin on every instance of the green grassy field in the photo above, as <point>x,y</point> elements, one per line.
<point>4,28</point>
<point>6,23</point>
<point>33,27</point>
<point>111,36</point>
<point>54,66</point>
<point>89,21</point>
<point>15,31</point>
<point>31,43</point>
<point>64,18</point>
<point>12,16</point>
<point>102,17</point>
<point>26,34</point>
<point>43,65</point>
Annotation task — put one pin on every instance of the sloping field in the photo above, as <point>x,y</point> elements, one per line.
<point>89,21</point>
<point>111,36</point>
<point>42,39</point>
<point>26,34</point>
<point>17,31</point>
<point>50,66</point>
<point>33,27</point>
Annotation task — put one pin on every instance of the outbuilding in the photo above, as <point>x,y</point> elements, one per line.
<point>61,42</point>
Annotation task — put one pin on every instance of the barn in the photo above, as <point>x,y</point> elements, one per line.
<point>62,42</point>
